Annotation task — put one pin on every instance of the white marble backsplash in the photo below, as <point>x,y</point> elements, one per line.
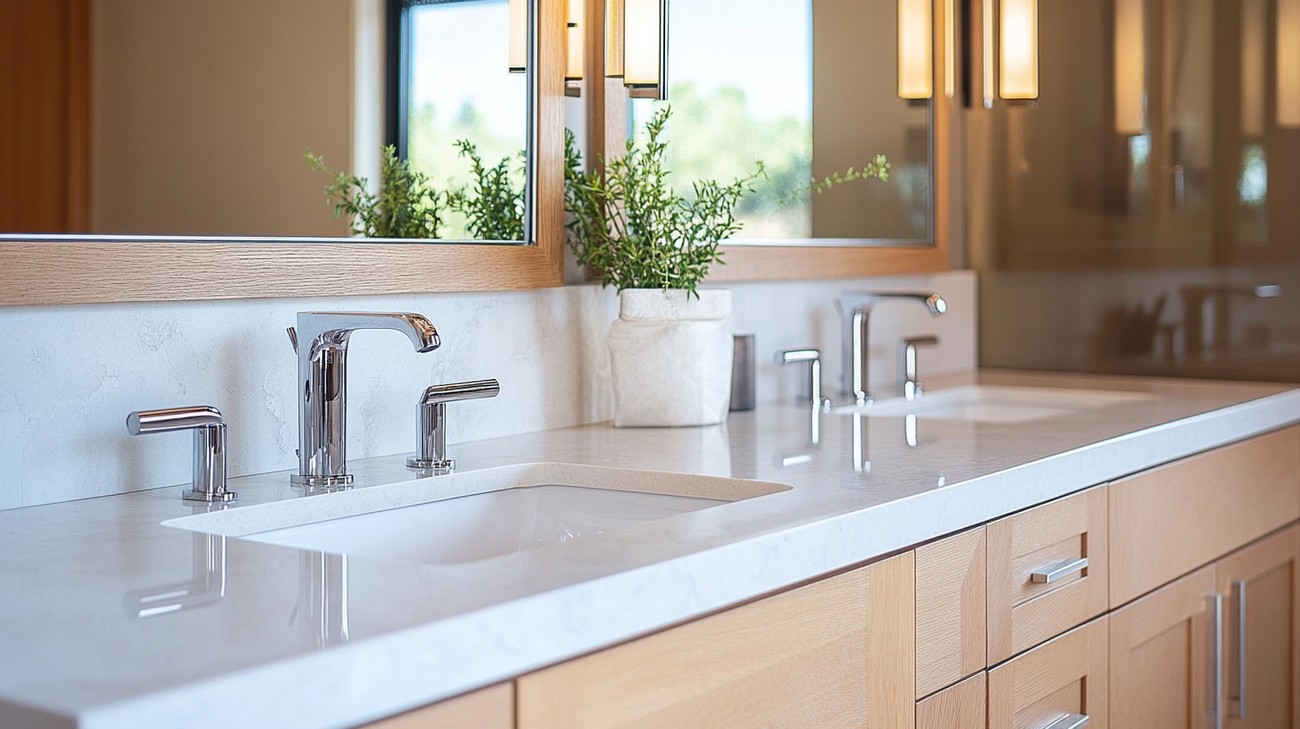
<point>72,373</point>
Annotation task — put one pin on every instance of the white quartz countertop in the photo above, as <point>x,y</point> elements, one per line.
<point>291,638</point>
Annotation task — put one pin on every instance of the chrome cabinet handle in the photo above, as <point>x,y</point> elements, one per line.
<point>1238,703</point>
<point>1055,571</point>
<point>209,481</point>
<point>1216,647</point>
<point>431,444</point>
<point>1070,721</point>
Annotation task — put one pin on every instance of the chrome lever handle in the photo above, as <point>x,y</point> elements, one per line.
<point>908,369</point>
<point>1055,571</point>
<point>1237,703</point>
<point>431,438</point>
<point>209,480</point>
<point>1070,721</point>
<point>811,392</point>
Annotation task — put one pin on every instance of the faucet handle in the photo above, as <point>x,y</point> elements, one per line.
<point>209,483</point>
<point>907,371</point>
<point>811,392</point>
<point>431,439</point>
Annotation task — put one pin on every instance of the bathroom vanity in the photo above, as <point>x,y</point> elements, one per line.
<point>999,564</point>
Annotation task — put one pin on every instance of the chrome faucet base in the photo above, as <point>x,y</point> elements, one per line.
<point>317,482</point>
<point>438,468</point>
<point>207,498</point>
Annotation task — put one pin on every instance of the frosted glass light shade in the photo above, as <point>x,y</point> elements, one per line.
<point>915,72</point>
<point>1288,64</point>
<point>614,38</point>
<point>642,42</point>
<point>1130,67</point>
<point>1018,50</point>
<point>518,35</point>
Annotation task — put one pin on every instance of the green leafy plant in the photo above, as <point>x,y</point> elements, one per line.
<point>494,204</point>
<point>406,206</point>
<point>627,223</point>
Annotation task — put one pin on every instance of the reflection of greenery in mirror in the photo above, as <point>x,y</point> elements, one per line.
<point>810,89</point>
<point>461,93</point>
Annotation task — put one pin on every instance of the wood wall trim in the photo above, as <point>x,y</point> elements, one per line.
<point>96,271</point>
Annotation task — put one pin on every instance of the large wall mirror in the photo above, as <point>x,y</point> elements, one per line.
<point>166,124</point>
<point>811,88</point>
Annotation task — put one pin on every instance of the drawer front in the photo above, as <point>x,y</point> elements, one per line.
<point>950,616</point>
<point>963,706</point>
<point>1065,677</point>
<point>1039,584</point>
<point>489,708</point>
<point>1170,520</point>
<point>836,653</point>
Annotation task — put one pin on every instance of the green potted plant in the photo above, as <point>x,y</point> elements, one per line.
<point>670,349</point>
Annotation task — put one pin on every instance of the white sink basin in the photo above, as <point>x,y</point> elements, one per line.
<point>478,514</point>
<point>996,403</point>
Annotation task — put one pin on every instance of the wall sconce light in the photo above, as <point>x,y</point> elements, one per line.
<point>915,28</point>
<point>518,35</point>
<point>636,46</point>
<point>1288,63</point>
<point>1018,50</point>
<point>1130,68</point>
<point>573,49</point>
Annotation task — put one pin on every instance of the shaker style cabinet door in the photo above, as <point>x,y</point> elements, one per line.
<point>489,708</point>
<point>949,610</point>
<point>836,653</point>
<point>1261,686</point>
<point>1164,649</point>
<point>963,706</point>
<point>1060,684</point>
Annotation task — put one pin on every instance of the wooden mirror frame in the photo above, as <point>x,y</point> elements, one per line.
<point>606,108</point>
<point>85,270</point>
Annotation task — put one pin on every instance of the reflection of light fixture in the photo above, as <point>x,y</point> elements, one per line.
<point>1130,68</point>
<point>1018,50</point>
<point>950,48</point>
<point>1254,39</point>
<point>915,74</point>
<point>518,35</point>
<point>636,46</point>
<point>1288,63</point>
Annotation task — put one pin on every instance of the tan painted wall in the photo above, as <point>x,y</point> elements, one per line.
<point>202,111</point>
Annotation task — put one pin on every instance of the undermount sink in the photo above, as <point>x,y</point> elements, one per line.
<point>996,403</point>
<point>476,515</point>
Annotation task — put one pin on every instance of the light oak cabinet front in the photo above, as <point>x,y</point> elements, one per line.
<point>489,708</point>
<point>1059,684</point>
<point>963,706</point>
<point>836,653</point>
<point>950,605</point>
<point>1261,686</point>
<point>1163,649</point>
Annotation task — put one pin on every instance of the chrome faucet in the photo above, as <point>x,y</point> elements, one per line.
<point>854,307</point>
<point>1211,304</point>
<point>321,341</point>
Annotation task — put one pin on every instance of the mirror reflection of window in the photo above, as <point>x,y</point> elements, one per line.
<point>809,88</point>
<point>460,88</point>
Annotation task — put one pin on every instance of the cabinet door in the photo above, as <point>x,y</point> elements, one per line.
<point>1046,572</point>
<point>949,610</point>
<point>1162,656</point>
<point>963,706</point>
<point>1262,679</point>
<point>489,708</point>
<point>1061,683</point>
<point>837,653</point>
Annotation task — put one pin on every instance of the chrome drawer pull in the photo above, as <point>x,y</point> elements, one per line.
<point>1238,705</point>
<point>1070,721</point>
<point>1055,571</point>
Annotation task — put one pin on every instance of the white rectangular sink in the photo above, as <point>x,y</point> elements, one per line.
<point>996,403</point>
<point>476,515</point>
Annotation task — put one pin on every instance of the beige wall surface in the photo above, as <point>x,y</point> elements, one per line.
<point>202,112</point>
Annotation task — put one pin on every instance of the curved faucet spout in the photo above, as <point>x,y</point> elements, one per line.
<point>854,307</point>
<point>321,341</point>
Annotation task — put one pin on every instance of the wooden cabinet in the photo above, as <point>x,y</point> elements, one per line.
<point>1047,572</point>
<point>836,653</point>
<point>1064,677</point>
<point>962,706</point>
<point>950,606</point>
<point>1162,652</point>
<point>1261,584</point>
<point>489,708</point>
<point>1168,521</point>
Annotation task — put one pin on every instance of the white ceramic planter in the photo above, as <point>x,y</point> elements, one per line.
<point>670,358</point>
